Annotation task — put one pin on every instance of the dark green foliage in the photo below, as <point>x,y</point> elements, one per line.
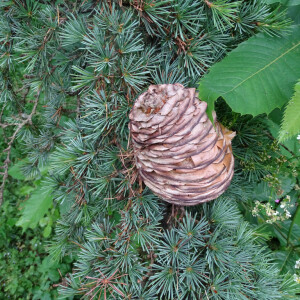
<point>26,270</point>
<point>268,173</point>
<point>77,67</point>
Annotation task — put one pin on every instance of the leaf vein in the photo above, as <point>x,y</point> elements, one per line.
<point>265,67</point>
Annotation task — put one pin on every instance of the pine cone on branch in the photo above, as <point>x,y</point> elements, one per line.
<point>180,155</point>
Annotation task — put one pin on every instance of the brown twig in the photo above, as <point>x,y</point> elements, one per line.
<point>28,120</point>
<point>283,146</point>
<point>3,131</point>
<point>2,111</point>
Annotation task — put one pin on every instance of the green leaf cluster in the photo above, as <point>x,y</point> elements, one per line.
<point>258,76</point>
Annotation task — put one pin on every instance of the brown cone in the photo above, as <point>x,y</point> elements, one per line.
<point>180,155</point>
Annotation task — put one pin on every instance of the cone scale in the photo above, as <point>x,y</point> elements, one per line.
<point>180,155</point>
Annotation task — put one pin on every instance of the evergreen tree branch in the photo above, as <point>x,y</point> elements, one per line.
<point>93,59</point>
<point>7,161</point>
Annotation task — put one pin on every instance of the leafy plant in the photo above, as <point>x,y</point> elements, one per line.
<point>290,123</point>
<point>35,207</point>
<point>26,270</point>
<point>258,76</point>
<point>269,197</point>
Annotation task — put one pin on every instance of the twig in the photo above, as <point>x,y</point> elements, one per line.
<point>78,106</point>
<point>1,113</point>
<point>4,125</point>
<point>283,146</point>
<point>3,131</point>
<point>28,120</point>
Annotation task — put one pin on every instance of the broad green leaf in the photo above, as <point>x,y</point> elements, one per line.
<point>47,231</point>
<point>35,207</point>
<point>291,120</point>
<point>257,76</point>
<point>283,2</point>
<point>285,260</point>
<point>282,230</point>
<point>26,190</point>
<point>293,12</point>
<point>16,170</point>
<point>297,216</point>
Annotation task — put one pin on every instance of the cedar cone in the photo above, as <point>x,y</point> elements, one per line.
<point>180,155</point>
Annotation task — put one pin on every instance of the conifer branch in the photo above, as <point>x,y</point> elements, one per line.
<point>93,59</point>
<point>7,161</point>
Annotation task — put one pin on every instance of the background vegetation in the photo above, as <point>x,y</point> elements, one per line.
<point>69,74</point>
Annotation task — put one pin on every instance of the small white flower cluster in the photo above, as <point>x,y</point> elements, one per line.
<point>296,278</point>
<point>272,214</point>
<point>297,264</point>
<point>286,205</point>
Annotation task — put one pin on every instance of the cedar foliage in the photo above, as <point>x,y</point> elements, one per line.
<point>70,71</point>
